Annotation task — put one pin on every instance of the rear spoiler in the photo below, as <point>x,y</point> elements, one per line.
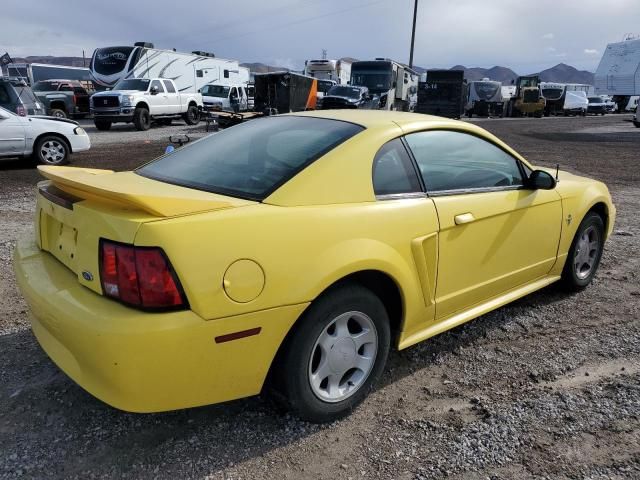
<point>128,189</point>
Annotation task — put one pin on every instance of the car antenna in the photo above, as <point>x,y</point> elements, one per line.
<point>557,171</point>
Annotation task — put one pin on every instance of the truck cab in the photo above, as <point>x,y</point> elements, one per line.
<point>230,98</point>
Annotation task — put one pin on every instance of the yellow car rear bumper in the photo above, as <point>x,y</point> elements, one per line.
<point>144,362</point>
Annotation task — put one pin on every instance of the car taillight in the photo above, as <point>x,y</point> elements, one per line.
<point>20,110</point>
<point>139,276</point>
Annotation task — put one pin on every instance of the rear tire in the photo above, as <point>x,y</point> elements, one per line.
<point>142,119</point>
<point>335,354</point>
<point>102,125</point>
<point>585,253</point>
<point>51,150</point>
<point>192,116</point>
<point>58,113</point>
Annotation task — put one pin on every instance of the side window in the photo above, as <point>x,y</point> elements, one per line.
<point>65,87</point>
<point>199,73</point>
<point>226,74</point>
<point>451,160</point>
<point>158,85</point>
<point>4,95</point>
<point>393,172</point>
<point>169,86</point>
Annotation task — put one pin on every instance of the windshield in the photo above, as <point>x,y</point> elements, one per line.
<point>341,91</point>
<point>595,100</point>
<point>45,86</point>
<point>552,93</point>
<point>215,91</point>
<point>528,82</point>
<point>373,80</point>
<point>325,85</point>
<point>252,159</point>
<point>139,84</point>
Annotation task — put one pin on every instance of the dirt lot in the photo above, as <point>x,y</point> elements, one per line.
<point>548,387</point>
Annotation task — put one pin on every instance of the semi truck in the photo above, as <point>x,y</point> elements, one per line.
<point>337,70</point>
<point>442,93</point>
<point>189,71</point>
<point>618,73</point>
<point>395,83</point>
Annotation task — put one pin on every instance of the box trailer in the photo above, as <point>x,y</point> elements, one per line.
<point>189,71</point>
<point>37,72</point>
<point>618,73</point>
<point>284,92</point>
<point>326,69</point>
<point>442,93</point>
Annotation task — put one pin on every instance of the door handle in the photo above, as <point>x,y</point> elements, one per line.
<point>463,218</point>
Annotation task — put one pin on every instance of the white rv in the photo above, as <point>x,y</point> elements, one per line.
<point>337,70</point>
<point>189,71</point>
<point>618,73</point>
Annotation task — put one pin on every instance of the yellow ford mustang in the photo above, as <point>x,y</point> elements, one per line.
<point>294,251</point>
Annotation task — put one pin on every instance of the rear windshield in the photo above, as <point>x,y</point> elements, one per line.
<point>253,159</point>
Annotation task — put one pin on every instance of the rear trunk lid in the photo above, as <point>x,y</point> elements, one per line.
<point>76,207</point>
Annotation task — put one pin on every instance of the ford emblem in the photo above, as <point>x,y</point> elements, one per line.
<point>87,276</point>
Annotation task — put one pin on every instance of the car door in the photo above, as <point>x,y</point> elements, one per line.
<point>12,134</point>
<point>158,102</point>
<point>173,103</point>
<point>495,233</point>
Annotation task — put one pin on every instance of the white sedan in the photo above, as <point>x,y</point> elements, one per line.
<point>47,140</point>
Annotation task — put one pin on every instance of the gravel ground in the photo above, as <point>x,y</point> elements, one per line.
<point>547,387</point>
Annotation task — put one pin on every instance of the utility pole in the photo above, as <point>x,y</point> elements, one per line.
<point>324,54</point>
<point>413,32</point>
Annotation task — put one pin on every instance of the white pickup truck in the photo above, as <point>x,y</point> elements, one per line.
<point>143,100</point>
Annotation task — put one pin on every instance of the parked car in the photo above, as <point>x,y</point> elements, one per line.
<point>16,96</point>
<point>231,98</point>
<point>290,253</point>
<point>597,106</point>
<point>143,100</point>
<point>47,140</point>
<point>347,96</point>
<point>63,98</point>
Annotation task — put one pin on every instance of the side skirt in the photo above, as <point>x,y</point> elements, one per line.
<point>462,317</point>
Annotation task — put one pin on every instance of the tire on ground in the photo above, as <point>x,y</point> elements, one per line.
<point>292,370</point>
<point>141,118</point>
<point>570,279</point>
<point>51,150</point>
<point>102,124</point>
<point>192,115</point>
<point>58,113</point>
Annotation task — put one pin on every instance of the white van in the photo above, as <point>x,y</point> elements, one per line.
<point>231,98</point>
<point>575,102</point>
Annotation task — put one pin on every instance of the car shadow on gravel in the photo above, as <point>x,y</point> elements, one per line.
<point>42,410</point>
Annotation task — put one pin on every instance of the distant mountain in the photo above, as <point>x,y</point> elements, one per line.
<point>563,73</point>
<point>501,74</point>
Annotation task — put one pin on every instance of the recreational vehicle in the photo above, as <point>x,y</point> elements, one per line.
<point>189,71</point>
<point>618,73</point>
<point>395,83</point>
<point>484,98</point>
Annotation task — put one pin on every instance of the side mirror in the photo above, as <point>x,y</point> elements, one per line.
<point>153,90</point>
<point>541,180</point>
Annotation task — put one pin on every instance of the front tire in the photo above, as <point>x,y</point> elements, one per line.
<point>102,125</point>
<point>58,113</point>
<point>585,253</point>
<point>51,150</point>
<point>335,355</point>
<point>142,119</point>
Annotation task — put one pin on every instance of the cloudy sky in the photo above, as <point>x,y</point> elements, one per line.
<point>527,36</point>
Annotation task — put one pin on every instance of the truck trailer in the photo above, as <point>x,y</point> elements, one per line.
<point>618,73</point>
<point>284,92</point>
<point>189,71</point>
<point>337,70</point>
<point>442,93</point>
<point>32,73</point>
